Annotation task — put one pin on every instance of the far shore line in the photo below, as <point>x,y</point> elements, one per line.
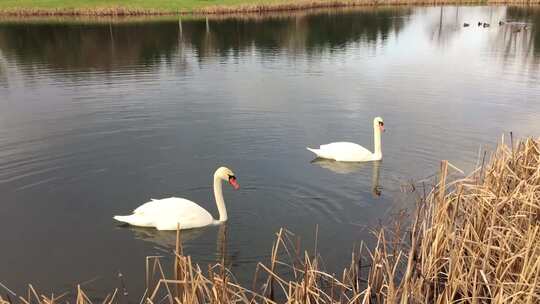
<point>281,6</point>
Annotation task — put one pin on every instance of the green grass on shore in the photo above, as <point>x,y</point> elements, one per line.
<point>170,6</point>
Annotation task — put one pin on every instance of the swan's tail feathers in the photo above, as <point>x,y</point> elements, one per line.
<point>134,219</point>
<point>316,151</point>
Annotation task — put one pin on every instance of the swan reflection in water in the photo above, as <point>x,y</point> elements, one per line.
<point>166,240</point>
<point>351,167</point>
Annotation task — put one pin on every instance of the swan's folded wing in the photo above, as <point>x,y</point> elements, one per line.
<point>144,208</point>
<point>168,214</point>
<point>346,151</point>
<point>166,205</point>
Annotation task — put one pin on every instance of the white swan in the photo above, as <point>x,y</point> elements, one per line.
<point>168,213</point>
<point>351,152</point>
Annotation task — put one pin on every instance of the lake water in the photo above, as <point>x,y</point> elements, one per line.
<point>97,116</point>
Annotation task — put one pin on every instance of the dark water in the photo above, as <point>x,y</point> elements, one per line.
<point>98,117</point>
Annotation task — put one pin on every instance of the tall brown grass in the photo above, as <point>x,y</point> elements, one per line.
<point>473,240</point>
<point>477,240</point>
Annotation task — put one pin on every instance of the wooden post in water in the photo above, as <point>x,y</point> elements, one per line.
<point>180,26</point>
<point>112,37</point>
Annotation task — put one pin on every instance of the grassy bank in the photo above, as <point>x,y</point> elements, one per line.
<point>473,240</point>
<point>173,7</point>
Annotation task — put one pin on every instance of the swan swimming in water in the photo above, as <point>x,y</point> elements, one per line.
<point>351,152</point>
<point>173,212</point>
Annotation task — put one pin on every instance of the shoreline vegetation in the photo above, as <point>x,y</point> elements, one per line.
<point>23,8</point>
<point>472,240</point>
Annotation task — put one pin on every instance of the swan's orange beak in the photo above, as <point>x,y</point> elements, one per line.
<point>234,183</point>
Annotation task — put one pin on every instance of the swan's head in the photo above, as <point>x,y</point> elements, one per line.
<point>378,123</point>
<point>226,174</point>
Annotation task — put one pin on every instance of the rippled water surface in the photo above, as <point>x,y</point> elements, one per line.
<point>98,116</point>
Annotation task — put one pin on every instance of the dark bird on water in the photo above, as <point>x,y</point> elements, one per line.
<point>486,24</point>
<point>479,23</point>
<point>465,24</point>
<point>501,22</point>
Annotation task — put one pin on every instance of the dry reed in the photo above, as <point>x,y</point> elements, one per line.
<point>474,240</point>
<point>477,240</point>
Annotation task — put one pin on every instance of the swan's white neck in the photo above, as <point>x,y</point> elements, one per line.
<point>377,142</point>
<point>220,202</point>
